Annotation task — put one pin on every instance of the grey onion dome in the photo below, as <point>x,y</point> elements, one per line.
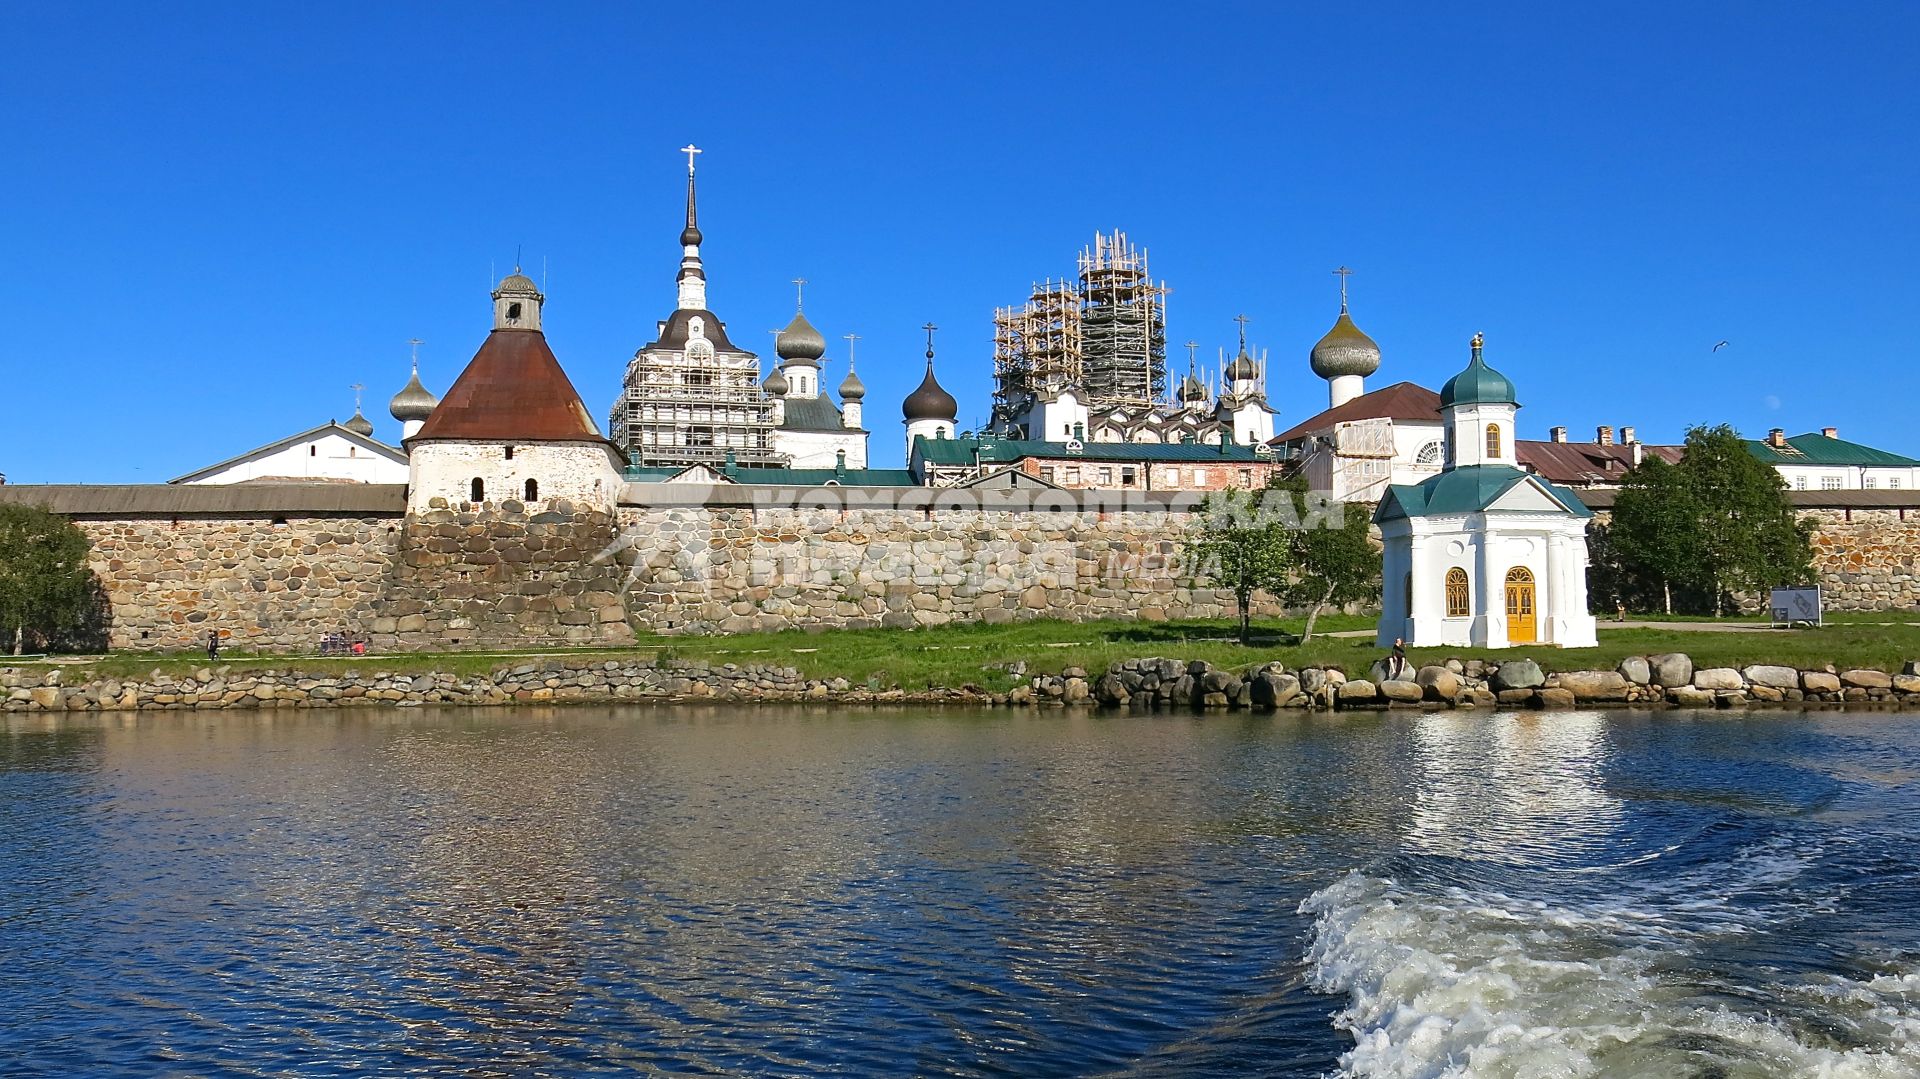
<point>516,282</point>
<point>1192,389</point>
<point>1345,351</point>
<point>800,341</point>
<point>1243,369</point>
<point>930,402</point>
<point>359,425</point>
<point>851,388</point>
<point>777,384</point>
<point>413,402</point>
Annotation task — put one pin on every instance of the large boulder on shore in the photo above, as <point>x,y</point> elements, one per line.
<point>1518,674</point>
<point>1357,691</point>
<point>1718,678</point>
<point>1273,689</point>
<point>1595,685</point>
<point>1671,669</point>
<point>1773,677</point>
<point>1636,669</point>
<point>1863,679</point>
<point>1819,682</point>
<point>1439,683</point>
<point>1400,689</point>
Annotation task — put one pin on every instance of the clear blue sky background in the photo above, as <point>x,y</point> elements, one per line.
<point>217,217</point>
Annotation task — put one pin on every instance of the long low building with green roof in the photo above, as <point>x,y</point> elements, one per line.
<point>1824,461</point>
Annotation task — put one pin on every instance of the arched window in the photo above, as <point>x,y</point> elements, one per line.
<point>1493,440</point>
<point>1408,581</point>
<point>1429,455</point>
<point>479,490</point>
<point>533,490</point>
<point>1457,598</point>
<point>513,312</point>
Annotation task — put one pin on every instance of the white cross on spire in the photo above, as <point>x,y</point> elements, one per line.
<point>690,149</point>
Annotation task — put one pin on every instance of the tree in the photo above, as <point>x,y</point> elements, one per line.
<point>1334,559</point>
<point>47,590</point>
<point>1716,523</point>
<point>1652,539</point>
<point>1240,547</point>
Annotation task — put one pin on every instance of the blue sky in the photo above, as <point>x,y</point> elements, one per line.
<point>218,217</point>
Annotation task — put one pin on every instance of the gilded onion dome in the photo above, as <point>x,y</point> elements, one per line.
<point>800,342</point>
<point>1345,350</point>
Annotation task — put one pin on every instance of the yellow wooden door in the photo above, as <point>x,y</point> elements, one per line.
<point>1520,621</point>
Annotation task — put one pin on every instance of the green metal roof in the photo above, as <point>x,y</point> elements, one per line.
<point>1818,449</point>
<point>1468,489</point>
<point>960,451</point>
<point>1477,385</point>
<point>821,477</point>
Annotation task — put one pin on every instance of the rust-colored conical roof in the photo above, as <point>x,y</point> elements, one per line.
<point>513,390</point>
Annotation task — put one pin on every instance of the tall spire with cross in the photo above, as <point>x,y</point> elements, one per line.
<point>693,277</point>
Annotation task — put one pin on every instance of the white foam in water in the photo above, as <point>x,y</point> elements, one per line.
<point>1450,984</point>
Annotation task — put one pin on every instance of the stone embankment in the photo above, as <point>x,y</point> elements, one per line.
<point>1137,684</point>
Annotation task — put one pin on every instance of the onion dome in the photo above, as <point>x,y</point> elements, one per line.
<point>1243,369</point>
<point>1192,389</point>
<point>1478,384</point>
<point>413,402</point>
<point>930,402</point>
<point>800,342</point>
<point>516,282</point>
<point>359,425</point>
<point>851,388</point>
<point>1345,351</point>
<point>777,383</point>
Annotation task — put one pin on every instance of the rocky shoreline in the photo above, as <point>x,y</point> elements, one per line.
<point>1137,684</point>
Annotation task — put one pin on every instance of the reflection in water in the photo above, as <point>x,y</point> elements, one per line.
<point>540,891</point>
<point>1516,787</point>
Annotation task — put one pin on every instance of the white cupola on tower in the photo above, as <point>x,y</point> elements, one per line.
<point>852,391</point>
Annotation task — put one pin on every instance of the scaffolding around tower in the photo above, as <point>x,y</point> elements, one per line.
<point>1103,334</point>
<point>694,405</point>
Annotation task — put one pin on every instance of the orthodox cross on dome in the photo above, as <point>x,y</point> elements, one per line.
<point>799,294</point>
<point>416,343</point>
<point>850,338</point>
<point>1343,273</point>
<point>1193,352</point>
<point>356,388</point>
<point>1242,320</point>
<point>929,327</point>
<point>690,149</point>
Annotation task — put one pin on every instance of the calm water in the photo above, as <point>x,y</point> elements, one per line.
<point>792,893</point>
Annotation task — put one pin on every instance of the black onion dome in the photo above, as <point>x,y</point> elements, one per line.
<point>1345,351</point>
<point>800,341</point>
<point>930,402</point>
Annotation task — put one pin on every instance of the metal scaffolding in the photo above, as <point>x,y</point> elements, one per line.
<point>1105,333</point>
<point>694,406</point>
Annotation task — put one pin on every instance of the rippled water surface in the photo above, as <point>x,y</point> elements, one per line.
<point>586,891</point>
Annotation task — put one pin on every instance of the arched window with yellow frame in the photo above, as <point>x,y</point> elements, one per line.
<point>1458,599</point>
<point>1493,440</point>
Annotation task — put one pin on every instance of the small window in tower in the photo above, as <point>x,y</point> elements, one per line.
<point>1493,440</point>
<point>479,490</point>
<point>533,490</point>
<point>313,451</point>
<point>509,453</point>
<point>513,312</point>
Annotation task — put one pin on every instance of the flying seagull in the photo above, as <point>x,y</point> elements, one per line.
<point>1720,346</point>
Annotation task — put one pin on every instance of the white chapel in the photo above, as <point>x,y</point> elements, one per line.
<point>1483,554</point>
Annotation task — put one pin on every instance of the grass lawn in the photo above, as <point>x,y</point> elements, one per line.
<point>979,654</point>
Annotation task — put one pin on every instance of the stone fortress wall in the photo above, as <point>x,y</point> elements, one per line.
<point>278,568</point>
